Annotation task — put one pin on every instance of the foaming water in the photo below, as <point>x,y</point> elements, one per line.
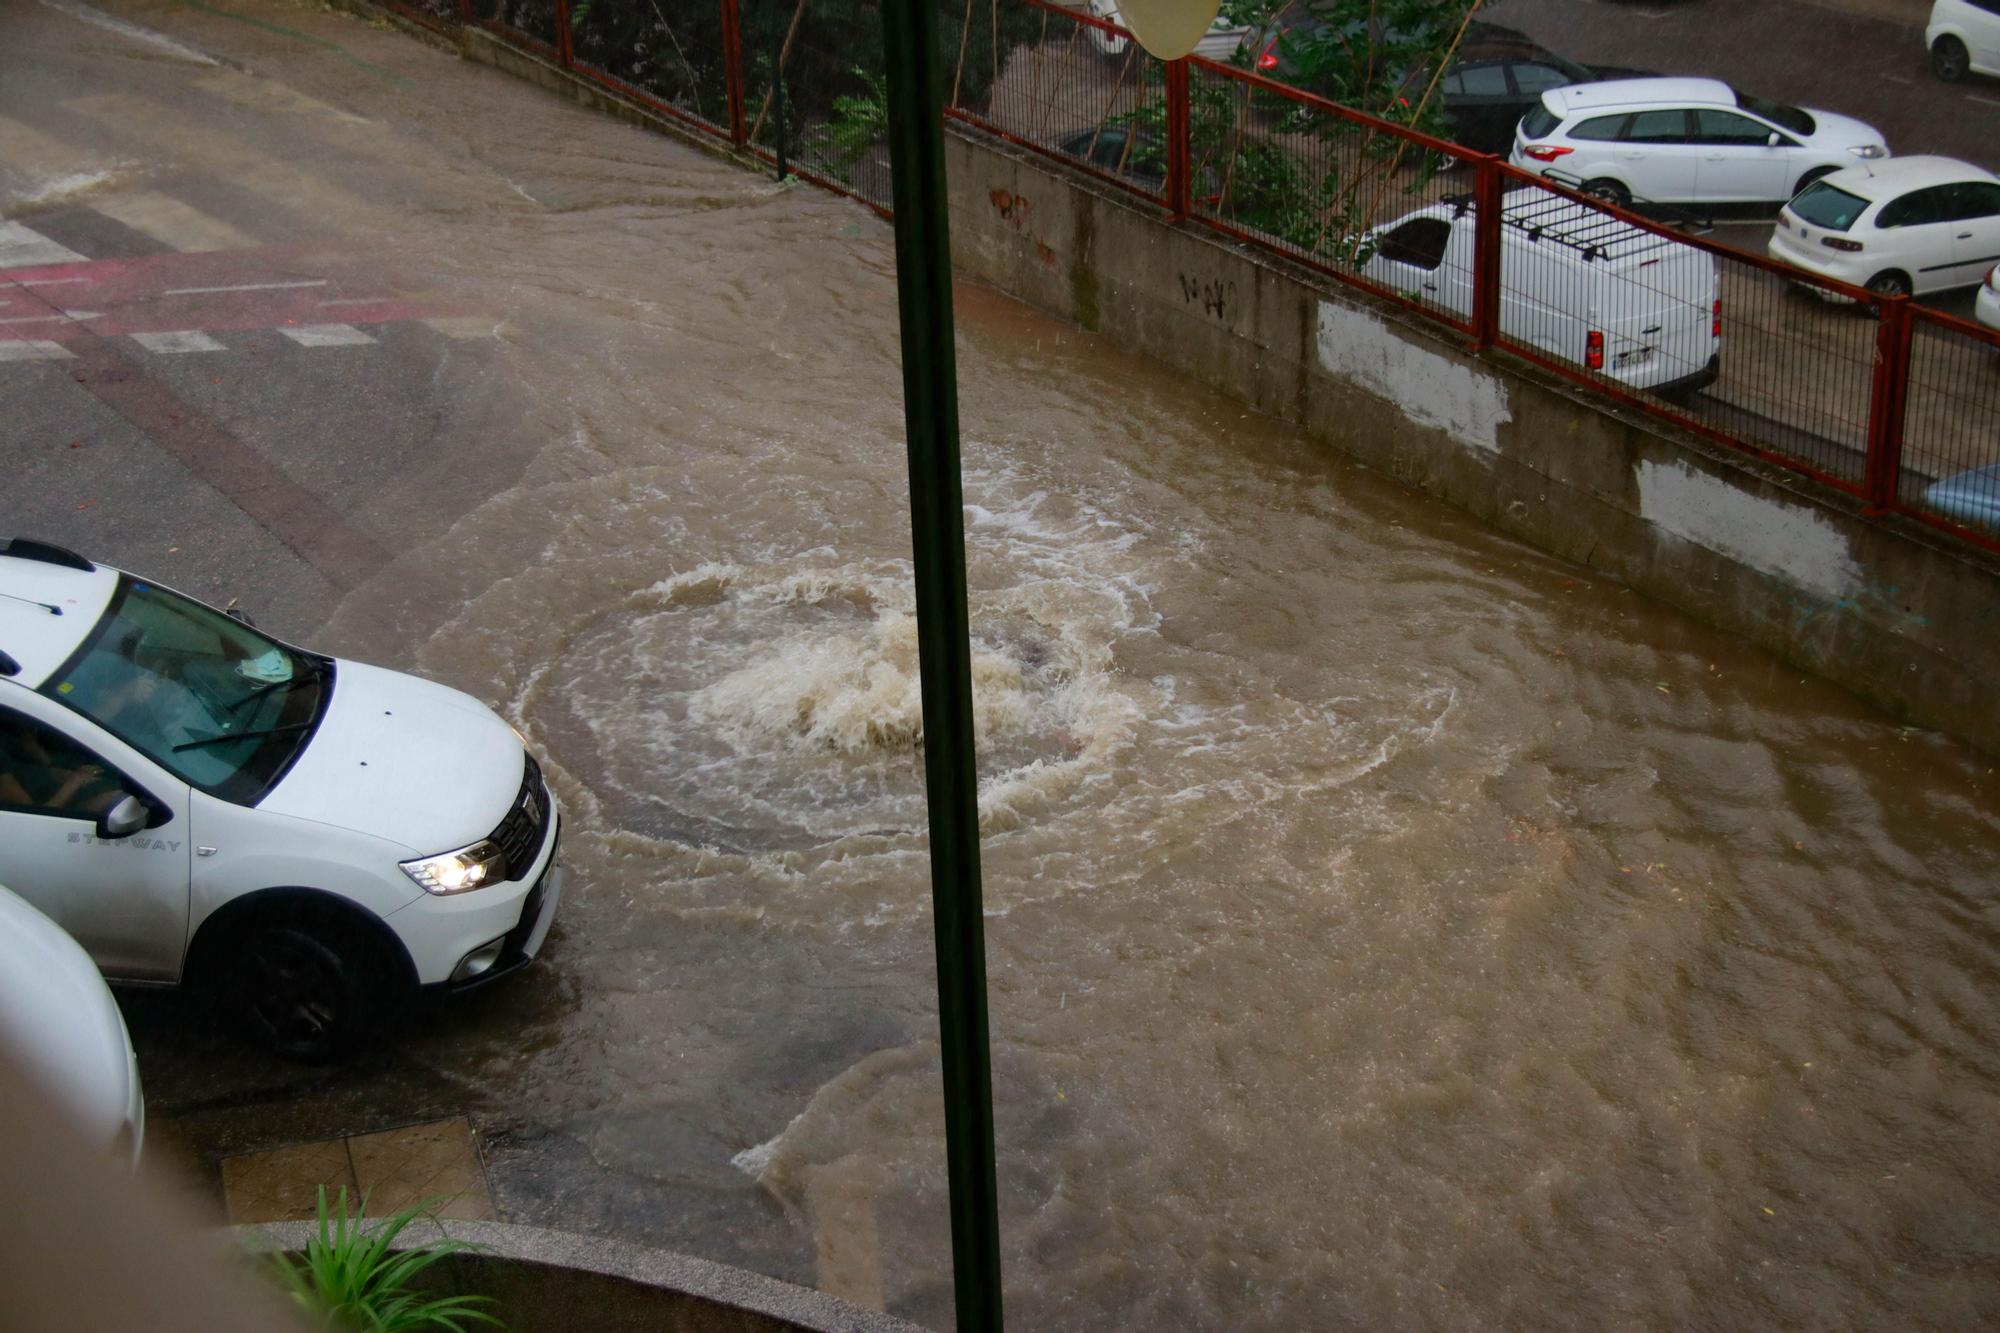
<point>1388,925</point>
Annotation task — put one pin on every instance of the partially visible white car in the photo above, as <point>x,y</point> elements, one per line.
<point>1986,305</point>
<point>60,1026</point>
<point>1675,141</point>
<point>1899,228</point>
<point>1964,38</point>
<point>1218,43</point>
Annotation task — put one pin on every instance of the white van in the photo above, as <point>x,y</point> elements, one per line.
<point>309,839</point>
<point>1579,285</point>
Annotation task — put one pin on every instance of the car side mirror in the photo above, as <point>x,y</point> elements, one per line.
<point>238,613</point>
<point>127,815</point>
<point>1773,141</point>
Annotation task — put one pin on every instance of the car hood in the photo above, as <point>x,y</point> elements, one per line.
<point>404,759</point>
<point>59,1023</point>
<point>1832,130</point>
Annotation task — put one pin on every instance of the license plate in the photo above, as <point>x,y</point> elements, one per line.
<point>1638,356</point>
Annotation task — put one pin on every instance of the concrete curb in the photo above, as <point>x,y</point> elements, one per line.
<point>546,1279</point>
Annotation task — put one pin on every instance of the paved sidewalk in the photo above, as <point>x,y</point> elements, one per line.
<point>436,1163</point>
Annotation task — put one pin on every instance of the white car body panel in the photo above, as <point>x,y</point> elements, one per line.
<point>1936,256</point>
<point>60,1023</point>
<point>1978,29</point>
<point>1655,306</point>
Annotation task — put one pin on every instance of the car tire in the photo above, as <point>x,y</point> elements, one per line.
<point>1610,191</point>
<point>306,985</point>
<point>1809,178</point>
<point>1949,59</point>
<point>1890,282</point>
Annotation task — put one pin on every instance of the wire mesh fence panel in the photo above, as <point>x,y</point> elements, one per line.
<point>1081,91</point>
<point>1951,425</point>
<point>1698,332</point>
<point>672,53</point>
<point>534,19</point>
<point>828,114</point>
<point>1377,205</point>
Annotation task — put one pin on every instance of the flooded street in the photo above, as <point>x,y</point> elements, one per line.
<point>1388,925</point>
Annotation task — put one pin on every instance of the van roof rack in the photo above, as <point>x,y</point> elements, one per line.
<point>1565,222</point>
<point>27,548</point>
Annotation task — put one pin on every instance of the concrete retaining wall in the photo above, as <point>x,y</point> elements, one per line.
<point>1902,616</point>
<point>1899,614</point>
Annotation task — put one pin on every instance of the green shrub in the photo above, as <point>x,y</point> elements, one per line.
<point>349,1278</point>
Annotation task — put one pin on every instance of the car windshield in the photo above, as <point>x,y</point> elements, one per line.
<point>1827,206</point>
<point>1791,117</point>
<point>202,694</point>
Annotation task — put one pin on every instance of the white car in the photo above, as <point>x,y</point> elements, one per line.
<point>1576,284</point>
<point>1964,38</point>
<point>60,1026</point>
<point>304,838</point>
<point>1900,228</point>
<point>1218,43</point>
<point>1685,141</point>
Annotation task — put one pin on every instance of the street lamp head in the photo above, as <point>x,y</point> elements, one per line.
<point>1168,28</point>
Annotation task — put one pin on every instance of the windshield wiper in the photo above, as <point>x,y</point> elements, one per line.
<point>314,669</point>
<point>243,735</point>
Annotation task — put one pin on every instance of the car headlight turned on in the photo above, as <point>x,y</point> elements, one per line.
<point>1869,151</point>
<point>461,871</point>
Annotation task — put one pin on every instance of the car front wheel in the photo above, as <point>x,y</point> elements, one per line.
<point>308,990</point>
<point>1889,283</point>
<point>1949,60</point>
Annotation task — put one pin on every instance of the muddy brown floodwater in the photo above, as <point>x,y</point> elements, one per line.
<point>1388,925</point>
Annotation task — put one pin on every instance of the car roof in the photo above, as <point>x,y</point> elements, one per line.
<point>32,582</point>
<point>1895,175</point>
<point>1630,93</point>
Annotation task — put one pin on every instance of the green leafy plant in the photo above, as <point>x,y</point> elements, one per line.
<point>349,1277</point>
<point>858,122</point>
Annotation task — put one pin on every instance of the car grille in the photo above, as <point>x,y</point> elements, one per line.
<point>521,833</point>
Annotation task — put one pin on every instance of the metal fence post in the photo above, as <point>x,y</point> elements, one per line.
<point>732,70</point>
<point>1888,399</point>
<point>465,11</point>
<point>1179,163</point>
<point>1486,251</point>
<point>565,42</point>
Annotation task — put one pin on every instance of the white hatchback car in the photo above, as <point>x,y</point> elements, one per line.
<point>1964,38</point>
<point>60,1026</point>
<point>305,838</point>
<point>1685,141</point>
<point>1900,228</point>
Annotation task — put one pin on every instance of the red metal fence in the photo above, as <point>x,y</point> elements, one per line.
<point>1876,396</point>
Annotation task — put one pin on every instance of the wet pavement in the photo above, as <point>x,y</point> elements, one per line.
<point>1388,925</point>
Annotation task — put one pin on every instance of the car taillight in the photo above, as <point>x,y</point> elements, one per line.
<point>1593,350</point>
<point>1840,243</point>
<point>1269,60</point>
<point>1991,274</point>
<point>1545,152</point>
<point>1715,320</point>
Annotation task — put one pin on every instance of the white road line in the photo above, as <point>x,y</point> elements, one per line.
<point>326,335</point>
<point>21,248</point>
<point>356,300</point>
<point>1899,78</point>
<point>44,282</point>
<point>169,343</point>
<point>33,319</point>
<point>33,351</point>
<point>246,287</point>
<point>1989,101</point>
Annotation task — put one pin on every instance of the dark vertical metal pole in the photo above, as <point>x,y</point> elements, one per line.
<point>1888,401</point>
<point>937,519</point>
<point>732,68</point>
<point>1180,166</point>
<point>1486,251</point>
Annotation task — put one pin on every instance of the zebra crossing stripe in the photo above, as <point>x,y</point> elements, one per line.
<point>326,335</point>
<point>22,248</point>
<point>33,351</point>
<point>182,341</point>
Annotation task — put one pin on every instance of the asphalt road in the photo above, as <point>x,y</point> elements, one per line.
<point>1873,68</point>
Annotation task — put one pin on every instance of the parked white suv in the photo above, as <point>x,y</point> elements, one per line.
<point>1591,290</point>
<point>1685,141</point>
<point>1900,228</point>
<point>1964,38</point>
<point>60,1026</point>
<point>200,804</point>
